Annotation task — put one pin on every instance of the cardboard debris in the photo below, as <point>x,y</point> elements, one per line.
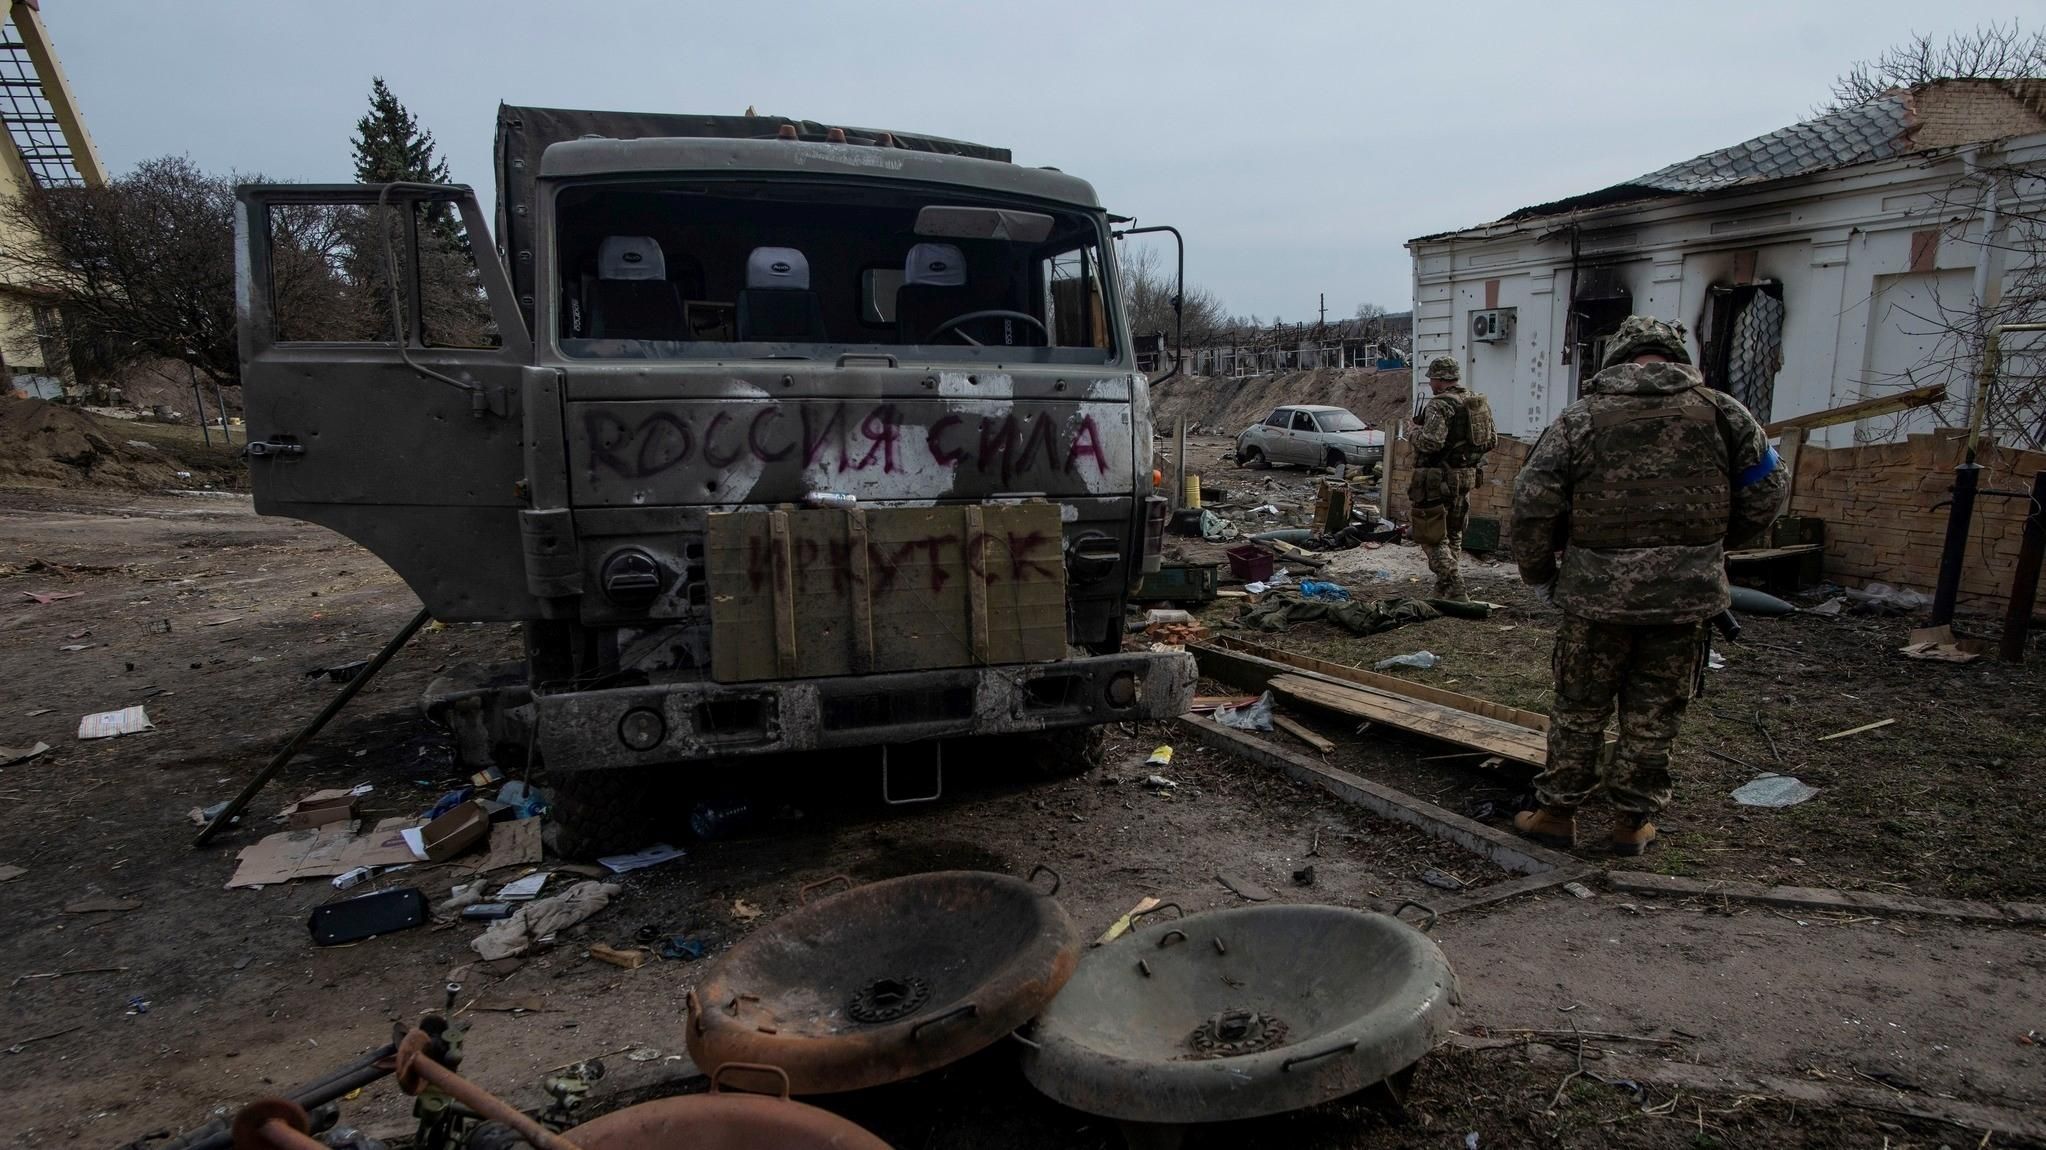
<point>1773,791</point>
<point>1941,645</point>
<point>320,808</point>
<point>12,755</point>
<point>462,827</point>
<point>107,724</point>
<point>512,843</point>
<point>1254,891</point>
<point>322,852</point>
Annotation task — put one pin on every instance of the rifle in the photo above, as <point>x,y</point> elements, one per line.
<point>1728,625</point>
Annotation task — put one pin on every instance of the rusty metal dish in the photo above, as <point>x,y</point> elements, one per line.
<point>721,1121</point>
<point>1241,1013</point>
<point>885,981</point>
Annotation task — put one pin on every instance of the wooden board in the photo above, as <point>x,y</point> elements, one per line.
<point>1507,740</point>
<point>801,593</point>
<point>1301,732</point>
<point>1864,409</point>
<point>1229,660</point>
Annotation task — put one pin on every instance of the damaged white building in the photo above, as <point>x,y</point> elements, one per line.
<point>1839,259</point>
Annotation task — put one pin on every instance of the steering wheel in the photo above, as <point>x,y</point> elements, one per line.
<point>952,324</point>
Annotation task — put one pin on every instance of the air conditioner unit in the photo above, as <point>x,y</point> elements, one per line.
<point>1492,325</point>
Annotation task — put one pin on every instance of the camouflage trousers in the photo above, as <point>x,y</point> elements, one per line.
<point>1649,672</point>
<point>1450,487</point>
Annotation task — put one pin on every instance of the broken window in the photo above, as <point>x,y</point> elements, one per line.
<point>1743,343</point>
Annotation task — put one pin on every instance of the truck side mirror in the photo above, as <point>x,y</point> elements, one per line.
<point>1178,295</point>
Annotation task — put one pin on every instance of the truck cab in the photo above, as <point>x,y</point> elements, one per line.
<point>771,444</point>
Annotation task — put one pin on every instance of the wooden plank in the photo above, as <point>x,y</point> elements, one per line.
<point>919,589</point>
<point>1227,655</point>
<point>1855,730</point>
<point>1865,409</point>
<point>1431,719</point>
<point>1503,848</point>
<point>1823,898</point>
<point>741,608</point>
<point>856,571</point>
<point>1026,583</point>
<point>825,597</point>
<point>782,582</point>
<point>1303,733</point>
<point>973,550</point>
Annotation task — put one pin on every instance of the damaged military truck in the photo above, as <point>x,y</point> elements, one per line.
<point>771,436</point>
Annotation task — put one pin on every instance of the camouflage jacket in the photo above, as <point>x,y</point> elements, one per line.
<point>1670,583</point>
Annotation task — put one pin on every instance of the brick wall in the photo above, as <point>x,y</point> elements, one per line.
<point>1493,497</point>
<point>1877,501</point>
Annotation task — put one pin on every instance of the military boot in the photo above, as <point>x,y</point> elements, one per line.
<point>1452,589</point>
<point>1549,826</point>
<point>1632,833</point>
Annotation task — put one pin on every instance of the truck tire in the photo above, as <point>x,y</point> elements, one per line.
<point>602,812</point>
<point>1067,752</point>
<point>1253,457</point>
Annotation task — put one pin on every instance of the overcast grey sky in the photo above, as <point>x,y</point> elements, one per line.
<point>1297,145</point>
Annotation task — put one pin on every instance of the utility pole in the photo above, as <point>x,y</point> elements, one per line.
<point>1324,308</point>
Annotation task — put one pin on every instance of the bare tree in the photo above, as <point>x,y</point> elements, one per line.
<point>1990,52</point>
<point>141,268</point>
<point>1147,295</point>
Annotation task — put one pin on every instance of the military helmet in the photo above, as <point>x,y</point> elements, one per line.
<point>1443,367</point>
<point>1640,335</point>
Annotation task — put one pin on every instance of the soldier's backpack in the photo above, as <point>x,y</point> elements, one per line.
<point>1478,433</point>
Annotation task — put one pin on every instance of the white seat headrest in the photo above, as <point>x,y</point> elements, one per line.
<point>941,264</point>
<point>630,258</point>
<point>783,268</point>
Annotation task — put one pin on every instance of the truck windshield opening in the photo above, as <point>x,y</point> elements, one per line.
<point>780,269</point>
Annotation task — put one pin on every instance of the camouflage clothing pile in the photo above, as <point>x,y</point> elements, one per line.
<point>1366,617</point>
<point>1640,485</point>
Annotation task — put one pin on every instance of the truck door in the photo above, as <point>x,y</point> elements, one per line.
<point>381,360</point>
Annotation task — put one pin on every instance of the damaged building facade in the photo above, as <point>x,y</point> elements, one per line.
<point>1840,259</point>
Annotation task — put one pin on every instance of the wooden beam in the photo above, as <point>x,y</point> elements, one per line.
<point>1865,409</point>
<point>1250,666</point>
<point>1432,720</point>
<point>1300,731</point>
<point>1822,898</point>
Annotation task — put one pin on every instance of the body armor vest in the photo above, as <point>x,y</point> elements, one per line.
<point>1658,474</point>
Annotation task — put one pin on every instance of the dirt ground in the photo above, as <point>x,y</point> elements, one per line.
<point>119,1023</point>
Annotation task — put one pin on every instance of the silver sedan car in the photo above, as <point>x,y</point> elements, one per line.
<point>1311,435</point>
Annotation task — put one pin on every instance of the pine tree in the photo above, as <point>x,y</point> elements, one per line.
<point>390,145</point>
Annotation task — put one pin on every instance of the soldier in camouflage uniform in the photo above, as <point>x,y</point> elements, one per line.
<point>1451,437</point>
<point>1621,517</point>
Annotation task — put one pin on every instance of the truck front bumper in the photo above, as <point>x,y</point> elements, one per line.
<point>682,722</point>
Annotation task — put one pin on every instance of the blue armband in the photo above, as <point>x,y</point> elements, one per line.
<point>1762,469</point>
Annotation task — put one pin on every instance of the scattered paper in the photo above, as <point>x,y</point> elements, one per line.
<point>12,755</point>
<point>48,597</point>
<point>1774,791</point>
<point>107,724</point>
<point>1714,660</point>
<point>523,889</point>
<point>654,855</point>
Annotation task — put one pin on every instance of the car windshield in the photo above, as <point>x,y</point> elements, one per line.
<point>1339,421</point>
<point>813,269</point>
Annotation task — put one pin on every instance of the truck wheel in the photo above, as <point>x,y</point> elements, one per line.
<point>603,812</point>
<point>1067,752</point>
<point>1253,457</point>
